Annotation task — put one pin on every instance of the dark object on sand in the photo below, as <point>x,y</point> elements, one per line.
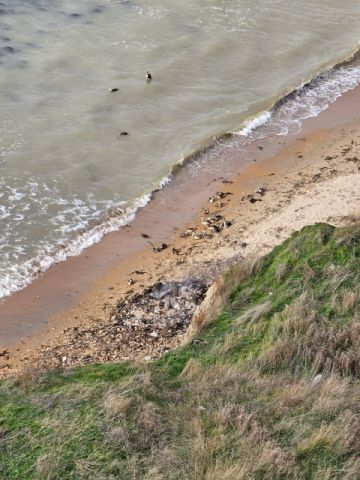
<point>175,251</point>
<point>223,194</point>
<point>144,235</point>
<point>122,134</point>
<point>113,90</point>
<point>261,190</point>
<point>160,248</point>
<point>148,77</point>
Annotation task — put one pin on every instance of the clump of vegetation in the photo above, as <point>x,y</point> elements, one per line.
<point>269,389</point>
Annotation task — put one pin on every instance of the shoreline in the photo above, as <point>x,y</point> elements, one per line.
<point>324,85</point>
<point>50,308</point>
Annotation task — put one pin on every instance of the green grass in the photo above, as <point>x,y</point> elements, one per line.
<point>238,405</point>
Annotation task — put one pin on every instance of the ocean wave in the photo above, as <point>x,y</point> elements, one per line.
<point>19,277</point>
<point>253,123</point>
<point>307,100</point>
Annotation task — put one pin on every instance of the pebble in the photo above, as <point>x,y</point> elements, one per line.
<point>317,379</point>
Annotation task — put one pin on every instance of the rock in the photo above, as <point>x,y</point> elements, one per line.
<point>160,248</point>
<point>199,341</point>
<point>317,379</point>
<point>261,190</point>
<point>220,195</point>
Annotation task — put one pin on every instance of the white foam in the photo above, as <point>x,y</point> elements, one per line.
<point>310,101</point>
<point>254,123</point>
<point>165,181</point>
<point>19,276</point>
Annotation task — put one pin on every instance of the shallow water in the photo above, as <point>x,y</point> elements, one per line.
<point>64,165</point>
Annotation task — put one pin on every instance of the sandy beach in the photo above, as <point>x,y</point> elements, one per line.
<point>82,310</point>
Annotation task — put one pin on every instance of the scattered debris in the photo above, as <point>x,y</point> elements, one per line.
<point>261,190</point>
<point>223,194</point>
<point>160,248</point>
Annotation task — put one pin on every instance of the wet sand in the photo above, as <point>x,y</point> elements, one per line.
<point>310,175</point>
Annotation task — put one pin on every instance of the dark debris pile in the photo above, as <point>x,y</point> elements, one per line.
<point>161,310</point>
<point>144,325</point>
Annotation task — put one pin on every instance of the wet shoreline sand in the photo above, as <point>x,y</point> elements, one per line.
<point>308,178</point>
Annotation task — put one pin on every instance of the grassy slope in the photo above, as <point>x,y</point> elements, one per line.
<point>240,404</point>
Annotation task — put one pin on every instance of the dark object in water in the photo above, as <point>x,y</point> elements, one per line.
<point>113,90</point>
<point>148,77</point>
<point>9,49</point>
<point>260,147</point>
<point>123,133</point>
<point>98,9</point>
<point>75,15</point>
